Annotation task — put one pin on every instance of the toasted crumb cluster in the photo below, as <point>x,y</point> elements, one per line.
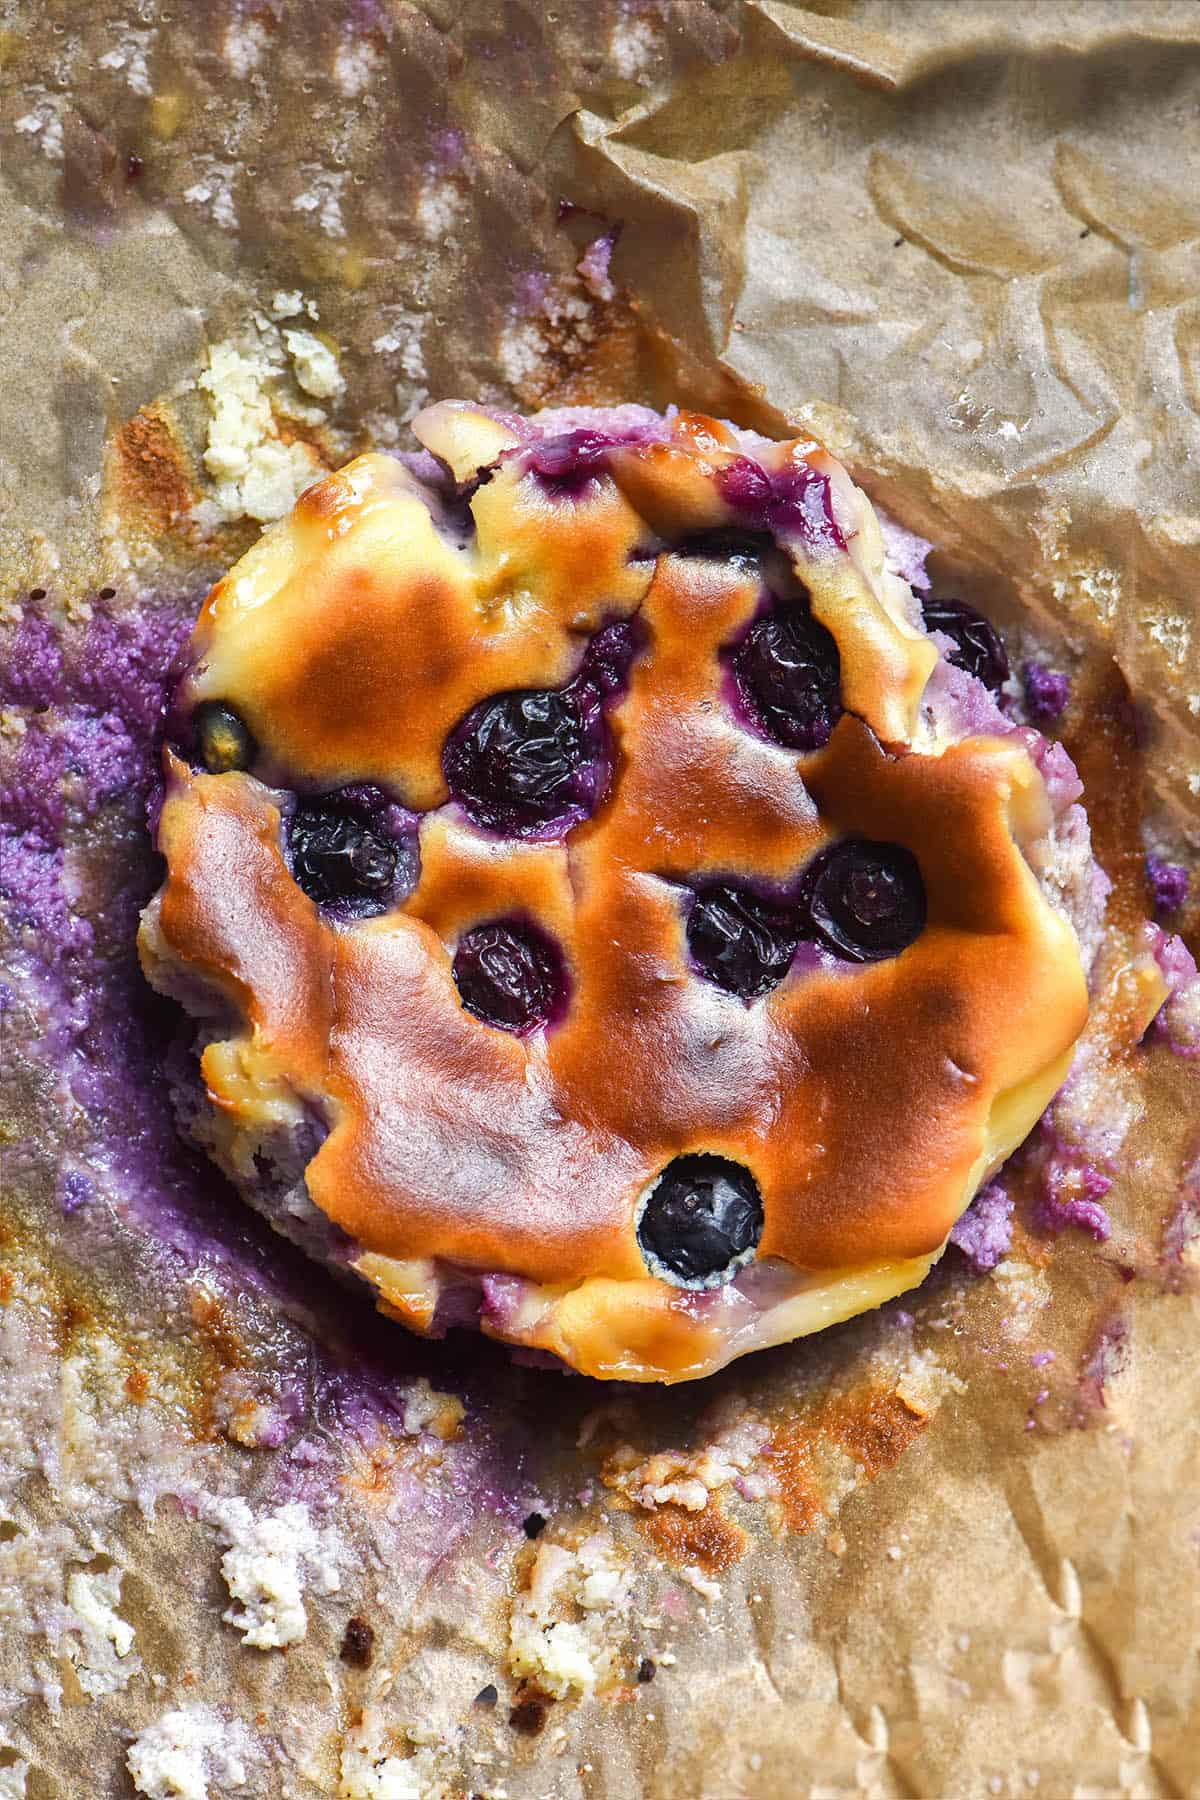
<point>615,916</point>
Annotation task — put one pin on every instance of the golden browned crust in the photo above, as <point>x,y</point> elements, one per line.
<point>870,1101</point>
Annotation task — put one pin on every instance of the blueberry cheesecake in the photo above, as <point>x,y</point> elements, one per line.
<point>614,912</point>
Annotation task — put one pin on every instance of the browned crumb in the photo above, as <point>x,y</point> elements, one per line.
<point>530,1709</point>
<point>151,476</point>
<point>706,1539</point>
<point>358,1643</point>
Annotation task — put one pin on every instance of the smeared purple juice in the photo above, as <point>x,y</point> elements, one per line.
<point>77,864</point>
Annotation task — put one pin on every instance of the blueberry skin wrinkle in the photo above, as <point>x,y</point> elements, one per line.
<point>701,1219</point>
<point>510,975</point>
<point>741,942</point>
<point>529,760</point>
<point>788,675</point>
<point>344,856</point>
<point>516,763</point>
<point>865,900</point>
<point>977,645</point>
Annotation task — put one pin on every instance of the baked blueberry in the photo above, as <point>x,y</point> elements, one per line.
<point>509,975</point>
<point>795,501</point>
<point>701,1221</point>
<point>567,463</point>
<point>865,900</point>
<point>740,941</point>
<point>788,672</point>
<point>977,645</point>
<point>339,855</point>
<point>518,762</point>
<point>222,738</point>
<point>605,668</point>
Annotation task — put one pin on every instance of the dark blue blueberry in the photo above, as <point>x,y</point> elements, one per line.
<point>788,675</point>
<point>605,668</point>
<point>977,646</point>
<point>526,761</point>
<point>701,1220</point>
<point>741,942</point>
<point>865,900</point>
<point>518,762</point>
<point>342,858</point>
<point>509,975</point>
<point>222,738</point>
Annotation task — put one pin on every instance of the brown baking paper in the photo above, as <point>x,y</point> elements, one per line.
<point>950,1549</point>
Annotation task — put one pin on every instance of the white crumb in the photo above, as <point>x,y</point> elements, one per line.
<point>564,1627</point>
<point>696,1578</point>
<point>265,1568</point>
<point>315,365</point>
<point>355,66</point>
<point>243,46</point>
<point>190,1747</point>
<point>257,475</point>
<point>426,1409</point>
<point>632,47</point>
<point>438,206</point>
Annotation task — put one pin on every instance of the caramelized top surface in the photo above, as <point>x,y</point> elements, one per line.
<point>867,1099</point>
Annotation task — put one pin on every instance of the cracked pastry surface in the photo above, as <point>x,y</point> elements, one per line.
<point>613,918</point>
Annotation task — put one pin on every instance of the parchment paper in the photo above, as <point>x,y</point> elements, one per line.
<point>960,242</point>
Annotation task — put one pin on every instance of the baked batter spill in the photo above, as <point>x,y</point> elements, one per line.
<point>578,834</point>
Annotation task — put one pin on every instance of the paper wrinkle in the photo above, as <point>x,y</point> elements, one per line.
<point>1018,381</point>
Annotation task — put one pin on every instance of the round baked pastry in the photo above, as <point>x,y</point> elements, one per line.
<point>612,916</point>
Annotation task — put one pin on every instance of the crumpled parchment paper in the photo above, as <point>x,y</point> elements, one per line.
<point>950,1550</point>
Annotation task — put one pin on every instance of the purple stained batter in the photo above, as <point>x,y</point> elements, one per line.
<point>796,502</point>
<point>984,1232</point>
<point>1170,884</point>
<point>1069,1198</point>
<point>75,1190</point>
<point>76,867</point>
<point>1178,1021</point>
<point>569,462</point>
<point>1047,694</point>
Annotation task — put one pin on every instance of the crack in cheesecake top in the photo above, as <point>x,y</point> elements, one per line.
<point>559,660</point>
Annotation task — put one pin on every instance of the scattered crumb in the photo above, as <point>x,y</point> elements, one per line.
<point>703,1584</point>
<point>358,1643</point>
<point>1025,1291</point>
<point>439,204</point>
<point>177,1757</point>
<point>633,47</point>
<point>102,1639</point>
<point>315,365</point>
<point>243,46</point>
<point>924,1383</point>
<point>560,1632</point>
<point>286,303</point>
<point>687,1478</point>
<point>257,475</point>
<point>355,66</point>
<point>265,1568</point>
<point>425,1409</point>
<point>368,1772</point>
